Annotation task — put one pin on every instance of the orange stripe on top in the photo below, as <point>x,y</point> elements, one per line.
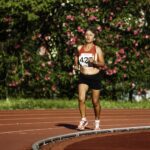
<point>92,50</point>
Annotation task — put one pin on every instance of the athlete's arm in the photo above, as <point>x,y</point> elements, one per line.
<point>100,58</point>
<point>76,57</point>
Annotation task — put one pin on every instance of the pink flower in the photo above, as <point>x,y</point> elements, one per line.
<point>110,18</point>
<point>146,36</point>
<point>109,72</point>
<point>105,1</point>
<point>49,72</point>
<point>124,67</point>
<point>118,36</point>
<point>72,41</point>
<point>105,67</point>
<point>99,28</point>
<point>86,10</point>
<point>137,54</point>
<point>114,71</point>
<point>119,59</point>
<point>142,61</point>
<point>92,18</point>
<point>132,85</point>
<point>92,10</point>
<point>129,29</point>
<point>47,38</point>
<point>53,87</point>
<point>37,77</point>
<point>42,51</point>
<point>43,65</point>
<point>119,24</point>
<point>13,84</point>
<point>117,54</point>
<point>79,29</point>
<point>136,32</point>
<point>44,89</point>
<point>121,51</point>
<point>39,35</point>
<point>49,63</point>
<point>65,24</point>
<point>17,46</point>
<point>34,37</point>
<point>47,78</point>
<point>118,8</point>
<point>27,73</point>
<point>124,56</point>
<point>70,73</point>
<point>82,14</point>
<point>135,43</point>
<point>7,19</point>
<point>124,75</point>
<point>139,93</point>
<point>70,17</point>
<point>112,14</point>
<point>126,2</point>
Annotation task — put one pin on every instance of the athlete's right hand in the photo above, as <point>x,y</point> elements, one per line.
<point>76,68</point>
<point>91,60</point>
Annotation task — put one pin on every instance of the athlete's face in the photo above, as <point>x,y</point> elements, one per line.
<point>89,36</point>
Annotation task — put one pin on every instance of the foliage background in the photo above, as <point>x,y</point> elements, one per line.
<point>38,40</point>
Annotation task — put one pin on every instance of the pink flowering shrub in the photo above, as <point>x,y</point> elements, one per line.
<point>118,38</point>
<point>37,48</point>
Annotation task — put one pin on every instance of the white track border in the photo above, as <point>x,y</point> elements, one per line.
<point>38,144</point>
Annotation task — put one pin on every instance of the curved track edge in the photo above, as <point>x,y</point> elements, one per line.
<point>38,144</point>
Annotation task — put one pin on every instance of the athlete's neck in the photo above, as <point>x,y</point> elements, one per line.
<point>88,46</point>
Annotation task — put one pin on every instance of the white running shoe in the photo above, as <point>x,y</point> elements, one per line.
<point>82,124</point>
<point>97,125</point>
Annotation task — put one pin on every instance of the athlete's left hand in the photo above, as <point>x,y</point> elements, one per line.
<point>91,60</point>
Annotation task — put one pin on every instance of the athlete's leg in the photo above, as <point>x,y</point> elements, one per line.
<point>82,90</point>
<point>96,104</point>
<point>97,108</point>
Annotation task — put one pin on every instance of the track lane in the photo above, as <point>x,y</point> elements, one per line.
<point>21,128</point>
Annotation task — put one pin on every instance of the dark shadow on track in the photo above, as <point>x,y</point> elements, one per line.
<point>69,126</point>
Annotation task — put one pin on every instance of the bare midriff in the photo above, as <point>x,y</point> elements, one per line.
<point>89,70</point>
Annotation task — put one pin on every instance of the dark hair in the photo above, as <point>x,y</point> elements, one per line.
<point>91,28</point>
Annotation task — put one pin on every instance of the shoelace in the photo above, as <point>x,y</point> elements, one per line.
<point>82,122</point>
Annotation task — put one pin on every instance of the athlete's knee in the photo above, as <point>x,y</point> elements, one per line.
<point>81,100</point>
<point>96,103</point>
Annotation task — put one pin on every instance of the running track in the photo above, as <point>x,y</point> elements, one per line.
<point>19,129</point>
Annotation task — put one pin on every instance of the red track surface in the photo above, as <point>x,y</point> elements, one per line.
<point>20,129</point>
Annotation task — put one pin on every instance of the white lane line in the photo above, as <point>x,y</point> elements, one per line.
<point>27,123</point>
<point>57,128</point>
<point>20,115</point>
<point>74,113</point>
<point>131,124</point>
<point>37,118</point>
<point>114,117</point>
<point>30,130</point>
<point>50,122</point>
<point>71,113</point>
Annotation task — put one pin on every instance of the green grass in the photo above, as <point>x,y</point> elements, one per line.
<point>14,104</point>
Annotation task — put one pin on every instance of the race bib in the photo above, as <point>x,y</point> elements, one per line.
<point>84,59</point>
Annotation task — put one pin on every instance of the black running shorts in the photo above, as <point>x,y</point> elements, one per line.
<point>93,81</point>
